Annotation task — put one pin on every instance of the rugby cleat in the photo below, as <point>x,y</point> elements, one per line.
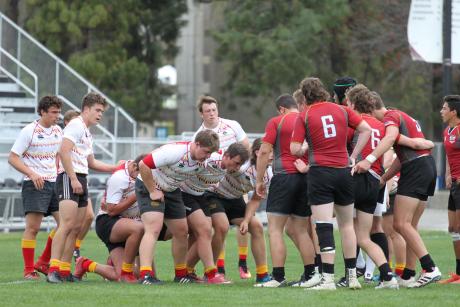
<point>79,271</point>
<point>405,283</point>
<point>42,267</point>
<point>31,276</point>
<point>150,280</point>
<point>327,283</point>
<point>427,278</point>
<point>184,280</point>
<point>244,272</point>
<point>314,280</point>
<point>54,277</point>
<point>218,279</point>
<point>265,278</point>
<point>353,282</point>
<point>272,284</point>
<point>128,278</point>
<point>391,284</point>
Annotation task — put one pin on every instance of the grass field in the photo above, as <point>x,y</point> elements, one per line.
<point>93,291</point>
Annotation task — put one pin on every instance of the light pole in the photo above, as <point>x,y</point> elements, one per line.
<point>447,48</point>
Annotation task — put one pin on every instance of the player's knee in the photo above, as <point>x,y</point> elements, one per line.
<point>32,230</point>
<point>138,230</point>
<point>325,231</point>
<point>221,229</point>
<point>256,228</point>
<point>399,226</point>
<point>290,232</point>
<point>89,217</point>
<point>180,231</point>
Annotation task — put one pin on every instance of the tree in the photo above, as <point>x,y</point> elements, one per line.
<point>268,47</point>
<point>117,44</point>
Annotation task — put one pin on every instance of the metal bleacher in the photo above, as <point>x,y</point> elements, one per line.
<point>28,70</point>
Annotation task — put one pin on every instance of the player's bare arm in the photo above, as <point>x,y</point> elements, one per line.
<point>262,163</point>
<point>149,182</point>
<point>15,161</point>
<point>65,157</point>
<point>117,209</point>
<point>99,165</point>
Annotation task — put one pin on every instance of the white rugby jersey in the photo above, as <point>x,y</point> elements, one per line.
<point>77,132</point>
<point>209,175</point>
<point>236,184</point>
<point>119,186</point>
<point>252,172</point>
<point>173,164</point>
<point>229,132</point>
<point>38,146</point>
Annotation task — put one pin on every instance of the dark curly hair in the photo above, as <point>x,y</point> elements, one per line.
<point>313,90</point>
<point>359,95</point>
<point>47,102</point>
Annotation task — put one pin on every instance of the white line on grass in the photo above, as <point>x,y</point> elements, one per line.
<point>16,282</point>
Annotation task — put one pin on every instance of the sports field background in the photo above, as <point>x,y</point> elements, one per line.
<point>93,291</point>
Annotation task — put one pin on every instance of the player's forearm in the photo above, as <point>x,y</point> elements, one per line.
<point>15,161</point>
<point>384,145</point>
<point>147,177</point>
<point>447,168</point>
<point>296,149</point>
<point>100,166</point>
<point>252,207</point>
<point>117,209</point>
<point>66,161</point>
<point>262,163</point>
<point>363,137</point>
<point>392,171</point>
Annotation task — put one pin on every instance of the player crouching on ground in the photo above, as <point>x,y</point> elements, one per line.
<point>118,225</point>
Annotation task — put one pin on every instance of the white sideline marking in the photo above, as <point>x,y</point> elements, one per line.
<point>16,282</point>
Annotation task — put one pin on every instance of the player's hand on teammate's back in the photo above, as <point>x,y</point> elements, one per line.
<point>38,181</point>
<point>301,166</point>
<point>77,188</point>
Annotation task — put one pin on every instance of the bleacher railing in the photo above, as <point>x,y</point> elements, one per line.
<point>22,55</point>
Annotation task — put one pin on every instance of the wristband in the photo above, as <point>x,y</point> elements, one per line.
<point>371,158</point>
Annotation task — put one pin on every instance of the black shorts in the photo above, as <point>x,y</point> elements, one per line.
<point>418,178</point>
<point>454,197</point>
<point>233,208</point>
<point>390,209</point>
<point>162,235</point>
<point>104,225</point>
<point>330,185</point>
<point>39,201</point>
<point>194,202</point>
<point>288,195</point>
<point>65,192</point>
<point>367,190</point>
<point>172,207</point>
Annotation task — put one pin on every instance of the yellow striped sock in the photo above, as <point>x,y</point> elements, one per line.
<point>146,268</point>
<point>190,269</point>
<point>127,267</point>
<point>261,269</point>
<point>243,250</point>
<point>209,269</point>
<point>28,243</point>
<point>180,266</point>
<point>78,243</point>
<point>222,254</point>
<point>64,266</point>
<point>52,233</point>
<point>400,266</point>
<point>92,267</point>
<point>55,263</point>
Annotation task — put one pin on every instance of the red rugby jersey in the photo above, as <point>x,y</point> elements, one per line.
<point>452,146</point>
<point>324,126</point>
<point>377,134</point>
<point>409,127</point>
<point>278,132</point>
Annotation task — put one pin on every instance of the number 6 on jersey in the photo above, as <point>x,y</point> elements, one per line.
<point>328,126</point>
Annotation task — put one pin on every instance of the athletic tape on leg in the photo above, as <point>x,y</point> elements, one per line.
<point>455,236</point>
<point>325,232</point>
